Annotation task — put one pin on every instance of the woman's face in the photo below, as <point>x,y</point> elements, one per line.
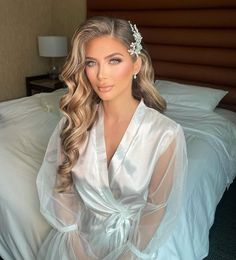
<point>110,68</point>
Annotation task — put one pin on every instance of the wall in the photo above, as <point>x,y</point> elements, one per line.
<point>66,17</point>
<point>21,21</point>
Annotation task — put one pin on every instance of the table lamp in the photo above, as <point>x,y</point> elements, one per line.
<point>53,47</point>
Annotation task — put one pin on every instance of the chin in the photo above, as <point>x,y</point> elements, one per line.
<point>105,97</point>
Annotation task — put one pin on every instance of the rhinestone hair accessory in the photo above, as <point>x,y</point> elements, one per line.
<point>135,47</point>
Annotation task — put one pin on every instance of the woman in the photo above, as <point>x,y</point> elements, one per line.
<point>112,178</point>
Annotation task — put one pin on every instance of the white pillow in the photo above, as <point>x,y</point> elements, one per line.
<point>189,95</point>
<point>50,101</point>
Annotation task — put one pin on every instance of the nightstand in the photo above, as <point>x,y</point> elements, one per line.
<point>42,83</point>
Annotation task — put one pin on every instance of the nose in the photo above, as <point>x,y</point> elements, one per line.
<point>102,71</point>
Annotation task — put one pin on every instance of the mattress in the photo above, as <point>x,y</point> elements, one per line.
<point>25,127</point>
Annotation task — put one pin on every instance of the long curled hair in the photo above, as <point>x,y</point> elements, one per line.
<point>79,103</point>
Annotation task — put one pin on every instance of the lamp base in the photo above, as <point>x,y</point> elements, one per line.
<point>53,72</point>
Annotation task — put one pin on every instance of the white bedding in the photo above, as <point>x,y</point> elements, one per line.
<point>211,146</point>
<point>230,115</point>
<point>24,132</point>
<point>25,127</point>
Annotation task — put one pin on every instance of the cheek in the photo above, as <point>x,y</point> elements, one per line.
<point>90,74</point>
<point>123,72</point>
<point>92,77</point>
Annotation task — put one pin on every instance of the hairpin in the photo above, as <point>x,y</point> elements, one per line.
<point>135,47</point>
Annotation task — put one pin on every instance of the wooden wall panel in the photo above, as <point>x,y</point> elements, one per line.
<point>189,40</point>
<point>158,4</point>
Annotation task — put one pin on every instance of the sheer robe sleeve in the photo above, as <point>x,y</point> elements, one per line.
<point>165,197</point>
<point>60,209</point>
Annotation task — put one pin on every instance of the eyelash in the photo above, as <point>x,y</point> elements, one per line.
<point>90,63</point>
<point>113,61</point>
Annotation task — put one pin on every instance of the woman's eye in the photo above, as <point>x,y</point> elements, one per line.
<point>115,61</point>
<point>90,63</point>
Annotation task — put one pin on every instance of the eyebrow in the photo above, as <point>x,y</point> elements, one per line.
<point>108,56</point>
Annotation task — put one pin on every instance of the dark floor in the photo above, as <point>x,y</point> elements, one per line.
<point>223,232</point>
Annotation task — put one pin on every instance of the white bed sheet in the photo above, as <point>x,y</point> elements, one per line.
<point>211,146</point>
<point>24,132</point>
<point>230,115</point>
<point>25,127</point>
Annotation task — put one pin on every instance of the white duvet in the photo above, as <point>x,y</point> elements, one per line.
<point>25,127</point>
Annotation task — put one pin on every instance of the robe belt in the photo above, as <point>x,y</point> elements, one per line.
<point>119,224</point>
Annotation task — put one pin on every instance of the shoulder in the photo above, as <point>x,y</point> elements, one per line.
<point>158,120</point>
<point>56,133</point>
<point>60,124</point>
<point>162,130</point>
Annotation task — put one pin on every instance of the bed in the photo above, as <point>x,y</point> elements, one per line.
<point>191,66</point>
<point>26,125</point>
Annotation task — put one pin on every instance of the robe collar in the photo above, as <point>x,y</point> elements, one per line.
<point>108,172</point>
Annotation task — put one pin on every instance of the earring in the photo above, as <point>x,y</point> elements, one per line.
<point>135,76</point>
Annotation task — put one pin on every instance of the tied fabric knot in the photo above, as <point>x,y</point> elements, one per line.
<point>122,218</point>
<point>118,224</point>
<point>118,220</point>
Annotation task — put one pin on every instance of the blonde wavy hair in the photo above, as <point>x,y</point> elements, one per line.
<point>79,104</point>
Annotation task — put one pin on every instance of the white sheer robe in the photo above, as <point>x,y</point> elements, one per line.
<point>126,210</point>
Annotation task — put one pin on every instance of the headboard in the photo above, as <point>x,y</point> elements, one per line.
<point>190,41</point>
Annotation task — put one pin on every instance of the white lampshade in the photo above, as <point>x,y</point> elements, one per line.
<point>52,46</point>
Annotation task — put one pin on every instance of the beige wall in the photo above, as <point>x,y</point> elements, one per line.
<point>67,15</point>
<point>21,21</point>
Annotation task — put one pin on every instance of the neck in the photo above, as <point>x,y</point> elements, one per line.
<point>119,110</point>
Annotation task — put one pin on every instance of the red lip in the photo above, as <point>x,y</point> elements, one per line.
<point>104,88</point>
